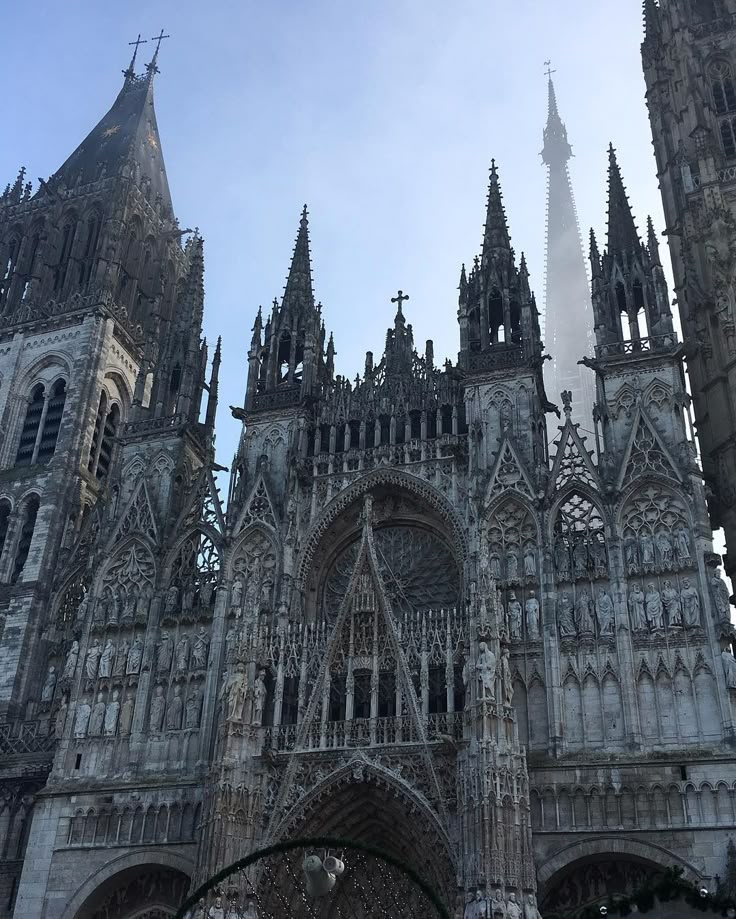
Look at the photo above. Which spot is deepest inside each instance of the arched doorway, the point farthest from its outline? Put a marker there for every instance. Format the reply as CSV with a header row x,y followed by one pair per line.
x,y
591,880
140,892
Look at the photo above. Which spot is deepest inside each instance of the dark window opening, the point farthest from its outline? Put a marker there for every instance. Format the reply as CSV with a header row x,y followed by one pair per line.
x,y
416,425
431,424
4,523
462,423
474,328
30,512
370,432
459,690
621,301
385,429
290,702
515,312
387,694
65,251
728,136
108,440
13,249
354,435
337,698
29,433
495,315
362,694
99,421
284,356
446,413
437,690
52,423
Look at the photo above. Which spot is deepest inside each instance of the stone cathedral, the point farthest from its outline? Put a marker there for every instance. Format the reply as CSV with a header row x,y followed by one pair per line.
x,y
416,620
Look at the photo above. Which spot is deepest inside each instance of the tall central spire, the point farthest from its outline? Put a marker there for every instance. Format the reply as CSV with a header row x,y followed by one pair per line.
x,y
568,318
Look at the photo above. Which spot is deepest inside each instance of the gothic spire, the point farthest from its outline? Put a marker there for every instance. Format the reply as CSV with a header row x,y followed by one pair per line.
x,y
496,235
622,233
298,291
556,150
125,142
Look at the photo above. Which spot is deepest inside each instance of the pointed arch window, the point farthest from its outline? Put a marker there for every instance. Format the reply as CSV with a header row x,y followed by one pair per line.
x,y
92,236
68,233
4,523
29,514
41,425
495,315
722,87
103,437
7,267
728,136
580,542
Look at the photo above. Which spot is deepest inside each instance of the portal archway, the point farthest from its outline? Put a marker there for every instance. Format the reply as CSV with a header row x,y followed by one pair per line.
x,y
142,891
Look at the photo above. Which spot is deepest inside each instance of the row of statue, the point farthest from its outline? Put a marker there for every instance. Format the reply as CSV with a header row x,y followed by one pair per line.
x,y
580,618
114,609
110,718
221,909
185,654
488,671
514,567
516,616
655,609
582,558
234,696
480,906
193,597
252,592
658,552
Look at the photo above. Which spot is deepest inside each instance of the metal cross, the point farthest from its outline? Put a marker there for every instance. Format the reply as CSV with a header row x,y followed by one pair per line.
x,y
399,298
549,71
138,42
158,39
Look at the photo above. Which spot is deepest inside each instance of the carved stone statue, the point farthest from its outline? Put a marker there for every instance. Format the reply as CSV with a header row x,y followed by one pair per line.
x,y
164,654
93,659
530,562
112,713
174,711
200,650
259,697
231,640
729,668
485,667
653,605
646,546
142,605
690,605
636,609
597,553
156,714
512,567
507,686
128,610
580,559
236,596
604,613
664,547
181,655
135,656
234,694
531,608
495,563
97,718
513,910
193,710
216,910
530,908
80,616
515,616
81,718
121,659
126,715
110,610
565,617
476,907
251,912
682,547
206,592
47,692
70,665
562,561
721,597
631,556
171,603
497,905
584,614
106,658
672,605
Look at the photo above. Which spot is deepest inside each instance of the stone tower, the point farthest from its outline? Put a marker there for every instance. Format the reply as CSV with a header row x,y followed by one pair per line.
x,y
688,55
568,325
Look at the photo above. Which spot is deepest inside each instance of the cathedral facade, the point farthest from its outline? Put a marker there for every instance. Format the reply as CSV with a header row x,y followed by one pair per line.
x,y
415,621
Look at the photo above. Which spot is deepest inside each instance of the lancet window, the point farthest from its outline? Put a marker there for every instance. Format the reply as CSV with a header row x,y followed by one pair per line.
x,y
28,516
580,542
4,523
41,425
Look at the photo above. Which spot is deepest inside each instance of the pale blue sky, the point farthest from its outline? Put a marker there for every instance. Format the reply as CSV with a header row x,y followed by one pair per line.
x,y
382,115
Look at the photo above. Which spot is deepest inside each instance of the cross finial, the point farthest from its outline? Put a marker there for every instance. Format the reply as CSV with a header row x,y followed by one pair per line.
x,y
152,68
399,298
130,72
549,71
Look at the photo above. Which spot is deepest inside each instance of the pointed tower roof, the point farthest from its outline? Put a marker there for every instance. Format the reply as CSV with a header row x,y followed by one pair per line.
x,y
496,234
556,150
128,133
298,288
622,232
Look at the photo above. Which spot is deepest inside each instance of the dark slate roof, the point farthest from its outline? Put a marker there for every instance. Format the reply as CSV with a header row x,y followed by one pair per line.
x,y
127,133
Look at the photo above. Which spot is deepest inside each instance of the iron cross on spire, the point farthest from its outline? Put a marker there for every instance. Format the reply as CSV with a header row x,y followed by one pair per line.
x,y
399,298
158,39
549,71
131,67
